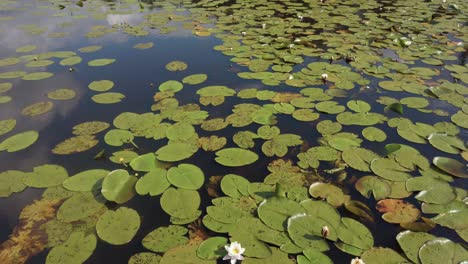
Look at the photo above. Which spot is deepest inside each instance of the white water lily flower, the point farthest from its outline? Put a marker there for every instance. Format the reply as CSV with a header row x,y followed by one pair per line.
x,y
297,40
407,42
324,76
263,25
243,33
357,261
300,17
234,252
291,45
325,231
290,77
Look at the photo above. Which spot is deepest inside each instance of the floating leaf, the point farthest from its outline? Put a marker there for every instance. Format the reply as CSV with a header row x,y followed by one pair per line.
x,y
62,94
449,144
442,250
108,98
77,249
368,185
85,181
235,157
176,66
144,258
100,62
35,76
305,230
101,86
452,166
355,234
398,211
195,79
118,186
7,125
382,256
80,206
75,144
143,46
88,49
410,242
180,203
37,109
389,169
118,137
39,63
212,248
26,48
275,211
153,183
164,238
70,61
432,190
359,158
172,86
11,181
330,192
175,152
19,141
90,128
374,134
186,176
118,227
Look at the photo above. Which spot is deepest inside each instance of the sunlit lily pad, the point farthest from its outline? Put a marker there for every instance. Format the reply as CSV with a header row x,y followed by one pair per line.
x,y
173,86
358,158
449,144
85,181
118,186
11,181
374,134
35,76
410,242
71,61
398,211
118,227
19,141
368,185
175,152
101,86
442,250
452,166
108,98
153,183
235,157
355,233
144,257
333,194
382,256
9,61
100,62
77,249
26,48
212,248
80,206
433,190
180,203
39,63
305,231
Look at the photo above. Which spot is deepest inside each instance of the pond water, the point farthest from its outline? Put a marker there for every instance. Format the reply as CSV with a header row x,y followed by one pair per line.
x,y
161,131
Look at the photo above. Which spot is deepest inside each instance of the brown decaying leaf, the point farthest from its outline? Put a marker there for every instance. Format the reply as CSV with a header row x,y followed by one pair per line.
x,y
197,232
28,238
212,187
398,211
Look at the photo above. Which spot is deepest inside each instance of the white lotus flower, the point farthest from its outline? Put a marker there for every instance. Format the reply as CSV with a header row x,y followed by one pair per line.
x,y
263,25
357,261
234,252
324,76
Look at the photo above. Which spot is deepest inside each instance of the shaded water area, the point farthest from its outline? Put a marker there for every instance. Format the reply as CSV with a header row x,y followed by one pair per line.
x,y
308,131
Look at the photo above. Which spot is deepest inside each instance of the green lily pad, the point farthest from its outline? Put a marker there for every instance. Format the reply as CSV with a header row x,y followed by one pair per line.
x,y
410,242
153,183
180,203
175,152
176,66
275,211
389,169
234,186
108,98
455,219
184,254
9,61
88,49
323,210
452,166
143,46
77,249
5,87
11,181
37,109
368,185
90,128
12,74
374,134
359,158
432,190
146,162
75,144
186,176
305,231
195,79
35,76
39,63
442,250
80,206
446,143
19,141
212,248
118,186
180,131
71,61
85,181
313,257
101,86
7,125
235,157
355,234
164,238
26,48
382,256
100,62
118,227
144,258
118,137
61,94
172,86
358,106
330,192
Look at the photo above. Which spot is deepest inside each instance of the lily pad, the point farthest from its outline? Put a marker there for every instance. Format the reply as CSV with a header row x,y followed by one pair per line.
x,y
7,125
442,250
305,231
90,128
118,227
19,141
410,242
11,181
355,234
176,66
446,143
118,186
180,203
172,85
100,62
77,249
275,211
382,256
101,86
212,248
37,109
71,61
235,157
330,192
175,152
80,206
108,98
164,238
195,79
75,144
398,211
153,183
186,176
61,94
452,166
85,181
35,76
143,46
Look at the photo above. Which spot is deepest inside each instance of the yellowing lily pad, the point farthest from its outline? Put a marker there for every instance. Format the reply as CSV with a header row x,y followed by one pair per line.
x,y
108,98
398,211
100,62
143,46
75,144
61,94
101,86
35,76
176,66
37,109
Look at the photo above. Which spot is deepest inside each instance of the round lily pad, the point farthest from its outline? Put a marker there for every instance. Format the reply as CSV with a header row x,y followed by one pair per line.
x,y
90,128
374,134
172,85
11,182
39,63
88,49
85,181
5,87
7,125
80,206
118,186
452,166
275,211
77,249
165,238
62,94
176,66
180,203
118,227
101,86
186,176
153,183
212,248
175,152
398,211
195,79
75,144
70,61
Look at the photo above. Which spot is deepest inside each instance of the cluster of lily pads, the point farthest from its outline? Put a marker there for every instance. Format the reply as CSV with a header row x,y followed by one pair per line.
x,y
321,64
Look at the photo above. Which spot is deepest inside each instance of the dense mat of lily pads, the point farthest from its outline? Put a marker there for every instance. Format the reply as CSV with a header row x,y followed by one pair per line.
x,y
377,81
